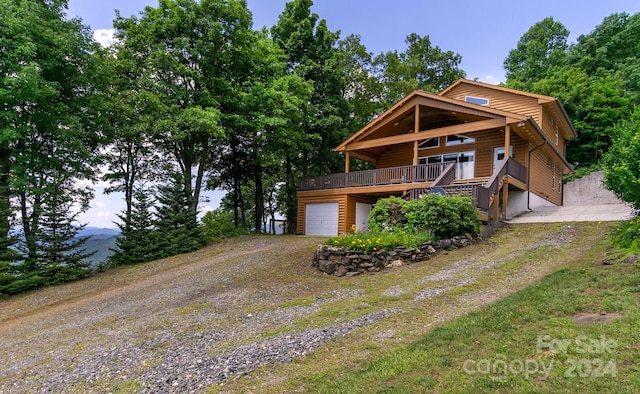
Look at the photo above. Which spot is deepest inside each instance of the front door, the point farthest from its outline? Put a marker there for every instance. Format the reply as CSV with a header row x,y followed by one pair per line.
x,y
362,216
498,156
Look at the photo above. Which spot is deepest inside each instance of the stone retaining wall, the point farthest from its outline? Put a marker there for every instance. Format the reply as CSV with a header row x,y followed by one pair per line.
x,y
340,262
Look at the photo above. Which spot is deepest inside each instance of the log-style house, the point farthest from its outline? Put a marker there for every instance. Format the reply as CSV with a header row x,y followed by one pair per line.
x,y
505,148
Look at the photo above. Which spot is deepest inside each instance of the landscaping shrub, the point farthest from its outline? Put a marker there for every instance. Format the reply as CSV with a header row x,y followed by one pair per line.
x,y
448,216
396,222
373,241
442,216
387,214
627,235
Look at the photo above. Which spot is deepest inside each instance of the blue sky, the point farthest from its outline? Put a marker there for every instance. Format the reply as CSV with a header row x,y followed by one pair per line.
x,y
482,32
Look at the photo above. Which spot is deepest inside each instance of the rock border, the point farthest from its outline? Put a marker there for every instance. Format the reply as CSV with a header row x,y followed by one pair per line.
x,y
342,262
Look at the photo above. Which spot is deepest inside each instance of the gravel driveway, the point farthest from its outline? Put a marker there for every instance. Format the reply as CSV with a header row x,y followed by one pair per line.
x,y
185,323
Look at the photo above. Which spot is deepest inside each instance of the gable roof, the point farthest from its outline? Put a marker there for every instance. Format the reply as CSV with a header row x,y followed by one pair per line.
x,y
542,99
510,117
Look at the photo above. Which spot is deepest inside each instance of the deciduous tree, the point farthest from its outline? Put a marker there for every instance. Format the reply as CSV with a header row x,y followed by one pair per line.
x,y
50,123
539,51
622,161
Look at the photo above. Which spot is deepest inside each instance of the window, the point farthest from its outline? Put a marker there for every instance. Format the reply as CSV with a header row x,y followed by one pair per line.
x,y
459,139
476,100
556,134
430,143
465,163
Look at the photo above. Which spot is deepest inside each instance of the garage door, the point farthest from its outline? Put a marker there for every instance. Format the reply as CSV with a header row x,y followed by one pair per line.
x,y
321,219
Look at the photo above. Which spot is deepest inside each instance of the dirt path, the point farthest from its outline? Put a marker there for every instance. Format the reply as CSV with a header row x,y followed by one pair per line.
x,y
99,289
255,305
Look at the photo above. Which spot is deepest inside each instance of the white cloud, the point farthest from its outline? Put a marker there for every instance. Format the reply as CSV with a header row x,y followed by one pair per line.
x,y
103,214
104,36
490,79
98,204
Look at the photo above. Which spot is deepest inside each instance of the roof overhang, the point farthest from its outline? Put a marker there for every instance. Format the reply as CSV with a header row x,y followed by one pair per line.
x,y
555,103
400,119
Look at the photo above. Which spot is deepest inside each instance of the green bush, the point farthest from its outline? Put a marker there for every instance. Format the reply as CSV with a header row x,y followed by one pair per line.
x,y
627,235
388,214
372,241
442,216
218,224
622,161
448,216
395,222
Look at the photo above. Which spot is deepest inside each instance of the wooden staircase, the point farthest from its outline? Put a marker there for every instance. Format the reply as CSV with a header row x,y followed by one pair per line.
x,y
484,190
472,181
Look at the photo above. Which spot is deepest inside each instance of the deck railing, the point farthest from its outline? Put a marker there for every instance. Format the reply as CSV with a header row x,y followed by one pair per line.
x,y
509,167
480,193
377,177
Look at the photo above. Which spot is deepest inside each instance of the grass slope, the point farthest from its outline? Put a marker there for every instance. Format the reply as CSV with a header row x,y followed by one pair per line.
x,y
576,330
251,289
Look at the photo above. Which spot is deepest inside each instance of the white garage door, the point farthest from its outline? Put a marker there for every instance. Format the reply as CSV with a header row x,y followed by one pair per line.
x,y
321,219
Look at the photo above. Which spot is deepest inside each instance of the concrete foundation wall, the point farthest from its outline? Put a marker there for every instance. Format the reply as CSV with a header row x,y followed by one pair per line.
x,y
518,203
588,190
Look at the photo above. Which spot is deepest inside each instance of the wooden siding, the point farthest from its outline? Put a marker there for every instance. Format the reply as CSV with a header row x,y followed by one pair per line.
x,y
350,218
498,99
549,128
310,199
346,209
396,155
541,177
486,141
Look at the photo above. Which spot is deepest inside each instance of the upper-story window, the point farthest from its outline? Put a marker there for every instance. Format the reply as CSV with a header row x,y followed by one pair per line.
x,y
459,139
430,143
476,100
557,138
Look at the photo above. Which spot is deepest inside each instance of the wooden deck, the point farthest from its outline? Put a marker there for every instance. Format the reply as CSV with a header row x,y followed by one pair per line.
x,y
378,177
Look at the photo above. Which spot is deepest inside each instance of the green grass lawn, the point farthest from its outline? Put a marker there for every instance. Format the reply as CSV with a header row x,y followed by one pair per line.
x,y
576,330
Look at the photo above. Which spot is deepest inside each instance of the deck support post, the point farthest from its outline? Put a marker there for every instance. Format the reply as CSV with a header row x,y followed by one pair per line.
x,y
505,199
507,141
416,129
496,206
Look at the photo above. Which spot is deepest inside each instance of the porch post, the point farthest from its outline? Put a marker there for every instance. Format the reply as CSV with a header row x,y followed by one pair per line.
x,y
507,141
347,162
507,155
416,129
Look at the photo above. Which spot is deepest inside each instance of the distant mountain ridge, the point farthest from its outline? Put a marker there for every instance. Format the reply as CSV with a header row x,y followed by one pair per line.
x,y
98,231
102,241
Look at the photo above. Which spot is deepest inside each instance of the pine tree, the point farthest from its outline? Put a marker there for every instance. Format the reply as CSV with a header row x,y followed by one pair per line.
x,y
177,229
136,243
59,254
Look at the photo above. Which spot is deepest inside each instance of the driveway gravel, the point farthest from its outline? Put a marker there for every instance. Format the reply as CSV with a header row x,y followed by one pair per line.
x,y
211,317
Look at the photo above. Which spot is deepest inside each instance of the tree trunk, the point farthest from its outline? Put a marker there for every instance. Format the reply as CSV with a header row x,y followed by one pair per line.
x,y
5,201
258,195
129,180
29,227
290,190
